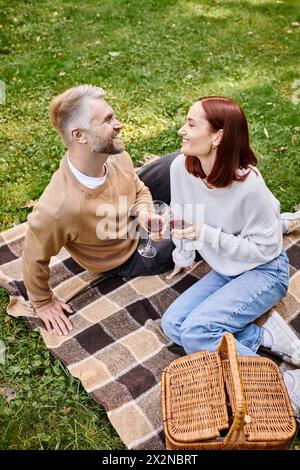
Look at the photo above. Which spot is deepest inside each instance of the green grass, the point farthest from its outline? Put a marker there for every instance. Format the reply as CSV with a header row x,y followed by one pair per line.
x,y
170,53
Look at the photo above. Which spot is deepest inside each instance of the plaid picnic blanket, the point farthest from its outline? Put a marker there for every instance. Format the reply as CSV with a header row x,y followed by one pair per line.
x,y
117,348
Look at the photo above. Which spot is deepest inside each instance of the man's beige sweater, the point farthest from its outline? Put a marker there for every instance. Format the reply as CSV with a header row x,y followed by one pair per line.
x,y
71,215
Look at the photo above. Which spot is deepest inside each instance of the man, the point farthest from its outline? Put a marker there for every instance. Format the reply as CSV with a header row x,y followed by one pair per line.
x,y
87,207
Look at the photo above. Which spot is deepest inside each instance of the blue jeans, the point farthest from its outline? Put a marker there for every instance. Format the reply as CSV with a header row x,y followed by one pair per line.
x,y
218,304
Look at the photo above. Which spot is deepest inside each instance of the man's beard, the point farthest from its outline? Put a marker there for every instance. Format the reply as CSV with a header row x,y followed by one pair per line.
x,y
111,148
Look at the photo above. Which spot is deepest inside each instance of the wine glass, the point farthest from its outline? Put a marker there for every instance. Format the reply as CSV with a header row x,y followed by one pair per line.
x,y
178,220
153,220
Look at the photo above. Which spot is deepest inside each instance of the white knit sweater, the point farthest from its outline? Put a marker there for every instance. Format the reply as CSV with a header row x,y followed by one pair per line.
x,y
241,223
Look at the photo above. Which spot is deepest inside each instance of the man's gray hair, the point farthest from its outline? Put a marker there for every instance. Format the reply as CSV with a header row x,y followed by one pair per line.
x,y
70,110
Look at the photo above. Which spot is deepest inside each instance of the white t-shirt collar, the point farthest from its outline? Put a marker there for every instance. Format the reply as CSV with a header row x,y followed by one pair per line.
x,y
88,181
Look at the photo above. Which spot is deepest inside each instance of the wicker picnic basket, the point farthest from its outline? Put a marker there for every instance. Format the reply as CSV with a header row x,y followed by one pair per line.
x,y
218,401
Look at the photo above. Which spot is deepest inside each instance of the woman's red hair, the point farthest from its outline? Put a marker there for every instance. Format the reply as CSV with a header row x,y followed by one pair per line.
x,y
234,150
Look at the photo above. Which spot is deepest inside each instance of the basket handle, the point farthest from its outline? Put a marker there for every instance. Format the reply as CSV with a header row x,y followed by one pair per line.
x,y
227,350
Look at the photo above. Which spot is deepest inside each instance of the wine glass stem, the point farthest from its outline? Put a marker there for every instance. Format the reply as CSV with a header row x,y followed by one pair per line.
x,y
181,245
149,245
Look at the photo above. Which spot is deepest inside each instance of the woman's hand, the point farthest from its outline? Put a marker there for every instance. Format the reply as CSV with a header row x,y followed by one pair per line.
x,y
148,218
55,319
193,232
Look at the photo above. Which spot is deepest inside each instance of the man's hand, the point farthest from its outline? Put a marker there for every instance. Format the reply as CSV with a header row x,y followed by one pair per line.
x,y
55,320
193,232
156,223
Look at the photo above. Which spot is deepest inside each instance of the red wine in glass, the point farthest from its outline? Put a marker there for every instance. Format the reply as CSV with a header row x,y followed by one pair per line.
x,y
154,225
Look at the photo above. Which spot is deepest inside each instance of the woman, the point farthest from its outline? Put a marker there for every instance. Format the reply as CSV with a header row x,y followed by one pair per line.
x,y
239,237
